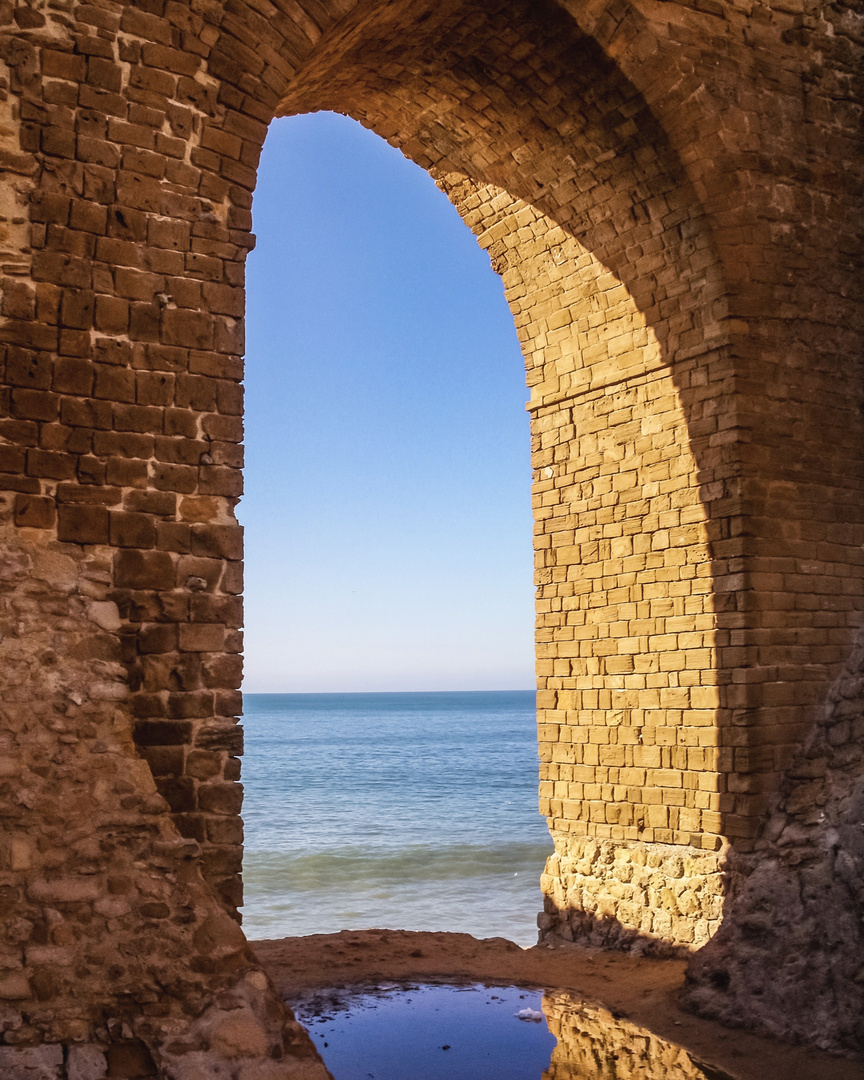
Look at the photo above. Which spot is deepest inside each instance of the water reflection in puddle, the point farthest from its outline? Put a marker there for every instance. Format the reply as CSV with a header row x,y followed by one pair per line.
x,y
433,1032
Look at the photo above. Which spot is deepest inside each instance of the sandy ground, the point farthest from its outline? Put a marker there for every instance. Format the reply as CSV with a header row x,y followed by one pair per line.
x,y
644,991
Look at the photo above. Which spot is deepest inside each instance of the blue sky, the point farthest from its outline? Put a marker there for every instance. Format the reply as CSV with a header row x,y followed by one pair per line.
x,y
387,512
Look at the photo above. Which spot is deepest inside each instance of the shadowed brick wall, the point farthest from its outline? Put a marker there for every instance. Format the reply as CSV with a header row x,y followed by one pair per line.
x,y
669,195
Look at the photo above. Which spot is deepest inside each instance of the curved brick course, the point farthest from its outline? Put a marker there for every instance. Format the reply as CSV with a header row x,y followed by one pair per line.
x,y
669,193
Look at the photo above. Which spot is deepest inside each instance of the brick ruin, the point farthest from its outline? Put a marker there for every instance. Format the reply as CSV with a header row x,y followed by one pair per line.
x,y
670,192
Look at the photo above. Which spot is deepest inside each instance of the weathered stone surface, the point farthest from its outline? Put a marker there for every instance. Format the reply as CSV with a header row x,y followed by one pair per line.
x,y
789,956
31,1062
86,1063
659,899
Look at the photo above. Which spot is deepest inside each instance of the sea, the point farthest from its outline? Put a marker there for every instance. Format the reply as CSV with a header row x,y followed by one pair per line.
x,y
413,811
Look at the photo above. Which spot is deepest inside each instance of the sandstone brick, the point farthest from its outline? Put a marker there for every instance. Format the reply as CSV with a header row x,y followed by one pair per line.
x,y
181,422
216,480
201,637
215,364
225,830
157,638
24,367
198,574
12,459
132,530
209,607
26,1062
204,765
218,541
145,162
74,343
111,351
173,536
203,509
34,405
182,479
195,393
72,376
49,464
189,329
222,798
20,432
180,451
88,414
143,569
178,792
228,702
138,418
86,1062
130,1058
82,524
127,473
111,314
163,732
196,703
114,384
185,292
144,321
35,512
154,388
220,735
160,503
75,493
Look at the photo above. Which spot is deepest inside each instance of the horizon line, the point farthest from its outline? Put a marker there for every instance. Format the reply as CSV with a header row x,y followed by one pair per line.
x,y
488,690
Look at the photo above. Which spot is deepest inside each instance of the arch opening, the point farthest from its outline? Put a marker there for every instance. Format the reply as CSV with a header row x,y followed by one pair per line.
x,y
580,201
387,534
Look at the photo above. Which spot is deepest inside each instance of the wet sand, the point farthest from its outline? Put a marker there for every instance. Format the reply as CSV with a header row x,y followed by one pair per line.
x,y
644,991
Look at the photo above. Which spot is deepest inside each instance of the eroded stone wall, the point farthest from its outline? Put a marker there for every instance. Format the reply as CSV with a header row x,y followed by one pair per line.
x,y
789,956
116,958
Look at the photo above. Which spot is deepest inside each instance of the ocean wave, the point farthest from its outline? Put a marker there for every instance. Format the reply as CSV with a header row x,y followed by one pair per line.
x,y
359,869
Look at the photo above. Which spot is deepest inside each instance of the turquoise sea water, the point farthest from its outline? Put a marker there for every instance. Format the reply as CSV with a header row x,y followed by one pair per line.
x,y
413,811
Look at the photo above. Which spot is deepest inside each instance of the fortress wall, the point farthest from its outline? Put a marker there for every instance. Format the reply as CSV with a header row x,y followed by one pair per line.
x,y
669,195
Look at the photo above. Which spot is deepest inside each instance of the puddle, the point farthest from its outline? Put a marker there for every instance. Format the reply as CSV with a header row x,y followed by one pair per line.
x,y
441,1032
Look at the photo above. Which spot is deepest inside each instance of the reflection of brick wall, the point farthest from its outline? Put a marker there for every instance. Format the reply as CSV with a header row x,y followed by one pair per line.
x,y
595,1045
671,207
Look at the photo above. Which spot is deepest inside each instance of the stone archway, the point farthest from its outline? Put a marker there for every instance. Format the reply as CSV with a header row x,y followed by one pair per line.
x,y
657,198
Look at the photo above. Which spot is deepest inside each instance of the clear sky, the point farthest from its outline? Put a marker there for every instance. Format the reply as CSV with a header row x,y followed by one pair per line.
x,y
387,505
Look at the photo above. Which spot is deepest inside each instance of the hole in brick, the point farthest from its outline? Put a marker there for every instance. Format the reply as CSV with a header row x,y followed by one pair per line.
x,y
130,1061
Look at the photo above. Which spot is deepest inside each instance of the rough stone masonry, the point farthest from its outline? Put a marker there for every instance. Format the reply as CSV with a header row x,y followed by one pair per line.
x,y
671,194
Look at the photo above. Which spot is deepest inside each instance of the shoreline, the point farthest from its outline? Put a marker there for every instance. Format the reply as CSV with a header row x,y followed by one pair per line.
x,y
636,990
